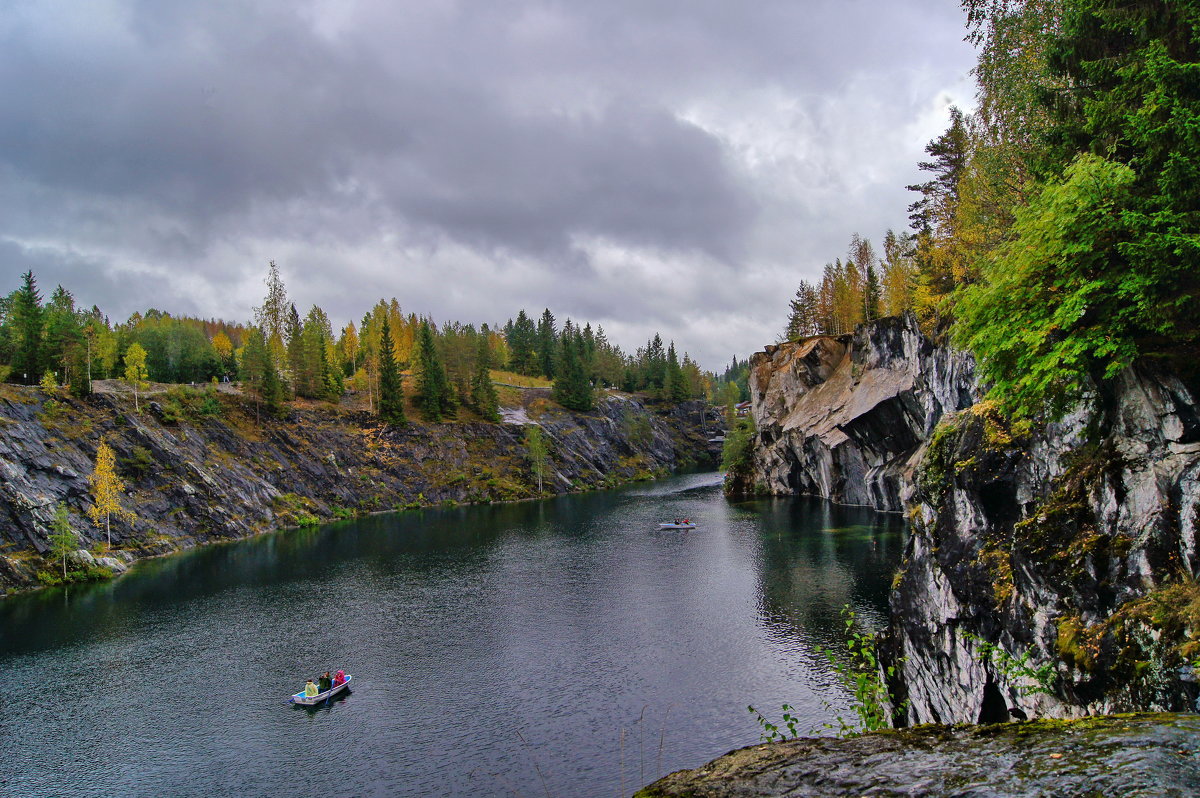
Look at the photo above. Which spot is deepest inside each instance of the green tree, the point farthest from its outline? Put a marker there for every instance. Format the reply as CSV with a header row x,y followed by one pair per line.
x,y
572,388
391,391
29,323
803,313
871,295
522,340
483,392
547,345
63,540
135,369
107,489
1056,308
435,395
538,452
675,388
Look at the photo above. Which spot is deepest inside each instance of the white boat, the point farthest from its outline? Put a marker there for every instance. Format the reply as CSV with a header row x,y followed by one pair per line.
x,y
673,525
309,700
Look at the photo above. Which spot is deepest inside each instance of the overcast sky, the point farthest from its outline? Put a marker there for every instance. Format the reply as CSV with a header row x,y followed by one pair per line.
x,y
644,165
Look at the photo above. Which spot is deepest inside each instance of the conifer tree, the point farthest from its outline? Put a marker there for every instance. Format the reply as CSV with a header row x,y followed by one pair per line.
x,y
803,316
28,330
547,344
435,395
675,388
107,489
522,339
135,369
572,389
483,392
871,295
391,392
294,342
273,391
62,538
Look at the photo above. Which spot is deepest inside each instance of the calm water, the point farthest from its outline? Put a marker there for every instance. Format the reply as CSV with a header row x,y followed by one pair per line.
x,y
562,648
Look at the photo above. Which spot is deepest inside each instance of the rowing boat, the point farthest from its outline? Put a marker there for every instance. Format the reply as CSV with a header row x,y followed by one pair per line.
x,y
309,700
688,525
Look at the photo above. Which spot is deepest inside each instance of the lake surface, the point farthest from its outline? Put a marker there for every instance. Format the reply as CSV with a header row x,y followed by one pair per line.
x,y
564,648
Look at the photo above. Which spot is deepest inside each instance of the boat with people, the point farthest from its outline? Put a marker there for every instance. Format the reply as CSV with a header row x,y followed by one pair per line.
x,y
308,697
678,523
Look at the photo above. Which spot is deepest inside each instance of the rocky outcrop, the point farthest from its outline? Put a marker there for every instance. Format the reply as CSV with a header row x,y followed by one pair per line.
x,y
846,417
1070,547
1050,570
201,467
1135,755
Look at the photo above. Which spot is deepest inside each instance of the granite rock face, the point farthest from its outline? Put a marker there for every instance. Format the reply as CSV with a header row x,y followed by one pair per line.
x,y
195,479
845,417
1144,756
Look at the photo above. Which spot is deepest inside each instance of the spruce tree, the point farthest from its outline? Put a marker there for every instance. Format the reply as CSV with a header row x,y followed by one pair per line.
x,y
435,395
391,393
483,393
675,388
294,332
29,325
871,294
521,341
547,344
572,389
274,393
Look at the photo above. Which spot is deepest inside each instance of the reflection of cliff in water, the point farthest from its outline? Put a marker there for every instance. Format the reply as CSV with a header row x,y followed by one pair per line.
x,y
815,558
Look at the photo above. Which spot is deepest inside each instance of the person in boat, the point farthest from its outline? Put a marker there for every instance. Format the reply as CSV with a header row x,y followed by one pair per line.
x,y
326,682
310,689
339,678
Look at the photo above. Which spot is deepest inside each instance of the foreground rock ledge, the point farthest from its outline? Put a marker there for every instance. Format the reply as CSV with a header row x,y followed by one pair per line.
x,y
1126,755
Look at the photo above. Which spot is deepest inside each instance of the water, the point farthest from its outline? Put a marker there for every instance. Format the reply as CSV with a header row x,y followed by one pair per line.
x,y
563,648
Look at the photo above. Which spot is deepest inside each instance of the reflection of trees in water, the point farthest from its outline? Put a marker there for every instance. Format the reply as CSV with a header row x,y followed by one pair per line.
x,y
815,558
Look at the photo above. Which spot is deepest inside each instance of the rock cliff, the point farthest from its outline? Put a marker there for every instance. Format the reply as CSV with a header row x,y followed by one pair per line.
x,y
1050,570
199,467
846,417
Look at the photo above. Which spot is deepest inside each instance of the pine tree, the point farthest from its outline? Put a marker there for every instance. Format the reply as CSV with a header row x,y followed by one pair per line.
x,y
135,369
483,392
391,391
29,325
63,540
107,489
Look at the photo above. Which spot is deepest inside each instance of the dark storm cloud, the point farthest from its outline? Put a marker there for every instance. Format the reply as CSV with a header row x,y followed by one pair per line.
x,y
620,159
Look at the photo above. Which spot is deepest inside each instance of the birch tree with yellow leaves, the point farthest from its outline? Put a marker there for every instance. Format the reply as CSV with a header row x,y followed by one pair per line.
x,y
107,488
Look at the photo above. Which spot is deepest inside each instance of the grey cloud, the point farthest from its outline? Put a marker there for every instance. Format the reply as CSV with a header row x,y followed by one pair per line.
x,y
173,137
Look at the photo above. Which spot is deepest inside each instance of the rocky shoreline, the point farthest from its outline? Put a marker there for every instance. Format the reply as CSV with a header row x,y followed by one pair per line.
x,y
201,466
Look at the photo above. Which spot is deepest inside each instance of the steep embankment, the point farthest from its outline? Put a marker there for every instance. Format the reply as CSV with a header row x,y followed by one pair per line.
x,y
200,468
1072,547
